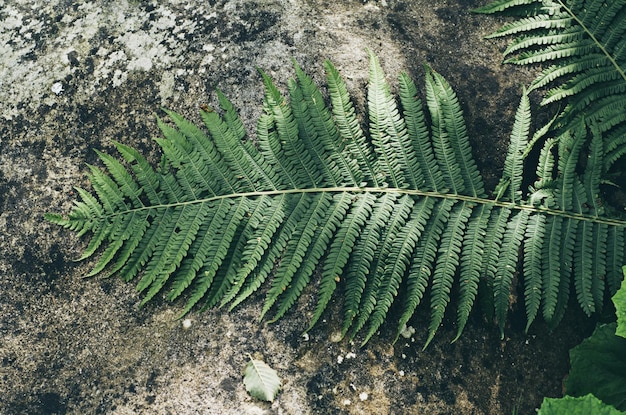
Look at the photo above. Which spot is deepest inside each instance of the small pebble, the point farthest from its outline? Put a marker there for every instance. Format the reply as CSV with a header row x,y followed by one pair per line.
x,y
57,88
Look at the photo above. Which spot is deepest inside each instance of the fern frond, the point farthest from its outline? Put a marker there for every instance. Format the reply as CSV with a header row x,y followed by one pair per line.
x,y
232,275
551,265
147,178
199,165
385,217
296,161
333,216
250,169
583,41
396,266
444,154
254,250
615,255
345,169
211,251
309,136
296,209
506,267
231,118
568,245
297,246
176,240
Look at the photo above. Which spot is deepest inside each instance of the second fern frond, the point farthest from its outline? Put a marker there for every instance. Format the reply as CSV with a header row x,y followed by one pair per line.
x,y
582,44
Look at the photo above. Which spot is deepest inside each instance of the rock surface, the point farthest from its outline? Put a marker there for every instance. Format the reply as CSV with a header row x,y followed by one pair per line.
x,y
74,76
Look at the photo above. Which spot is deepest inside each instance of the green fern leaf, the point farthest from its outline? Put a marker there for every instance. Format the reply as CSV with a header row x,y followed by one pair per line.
x,y
253,252
582,41
298,163
446,159
229,276
297,247
615,256
218,237
384,216
451,119
327,133
511,181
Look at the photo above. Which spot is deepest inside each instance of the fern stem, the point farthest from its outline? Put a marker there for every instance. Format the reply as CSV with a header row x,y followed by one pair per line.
x,y
379,190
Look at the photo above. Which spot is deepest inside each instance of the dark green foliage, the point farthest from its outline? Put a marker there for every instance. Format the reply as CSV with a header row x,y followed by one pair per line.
x,y
599,367
397,214
598,370
584,405
582,45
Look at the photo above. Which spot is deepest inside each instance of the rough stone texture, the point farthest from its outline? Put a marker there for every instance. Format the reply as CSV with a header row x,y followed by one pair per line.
x,y
74,76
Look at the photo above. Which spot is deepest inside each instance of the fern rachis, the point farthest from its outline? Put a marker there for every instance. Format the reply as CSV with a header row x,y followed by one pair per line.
x,y
406,209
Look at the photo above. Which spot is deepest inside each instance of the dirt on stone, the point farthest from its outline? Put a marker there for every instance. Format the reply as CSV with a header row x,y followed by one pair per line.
x,y
77,76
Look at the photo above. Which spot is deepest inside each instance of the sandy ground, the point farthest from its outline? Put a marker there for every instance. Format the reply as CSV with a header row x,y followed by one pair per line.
x,y
76,75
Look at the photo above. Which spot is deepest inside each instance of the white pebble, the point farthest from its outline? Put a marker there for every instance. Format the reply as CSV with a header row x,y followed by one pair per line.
x,y
57,88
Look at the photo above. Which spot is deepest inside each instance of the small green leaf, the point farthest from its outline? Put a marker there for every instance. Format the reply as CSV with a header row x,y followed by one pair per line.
x,y
585,405
262,382
619,299
599,367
